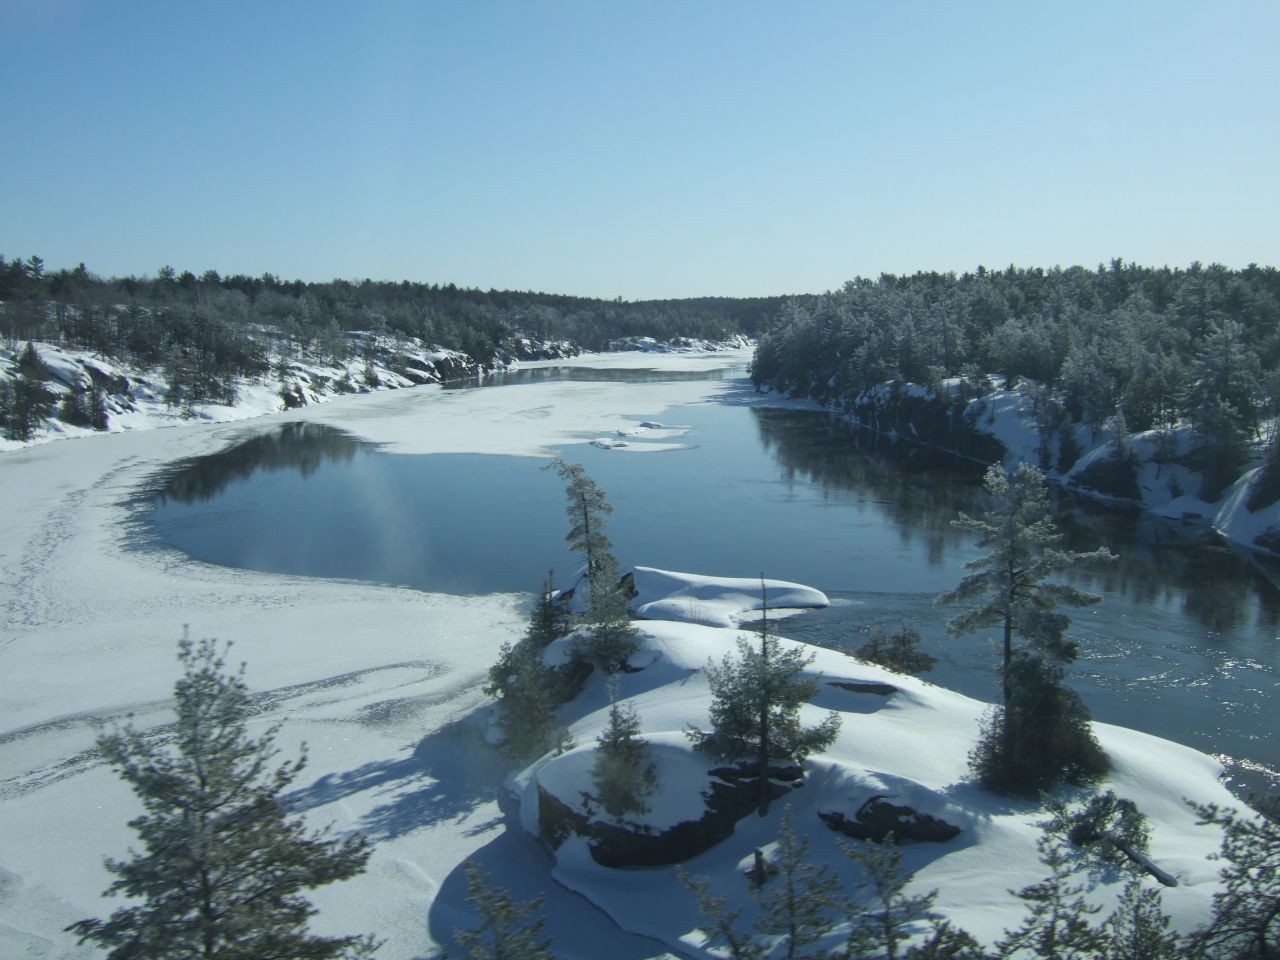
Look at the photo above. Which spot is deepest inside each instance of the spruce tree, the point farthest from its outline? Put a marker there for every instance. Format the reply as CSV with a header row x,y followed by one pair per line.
x,y
508,930
528,694
622,773
223,864
755,708
898,651
608,638
529,691
797,902
549,620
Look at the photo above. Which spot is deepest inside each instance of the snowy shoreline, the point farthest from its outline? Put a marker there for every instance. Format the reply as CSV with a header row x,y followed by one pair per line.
x,y
383,683
1006,416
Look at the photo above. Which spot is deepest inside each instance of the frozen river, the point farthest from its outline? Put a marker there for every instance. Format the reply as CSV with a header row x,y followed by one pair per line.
x,y
1183,646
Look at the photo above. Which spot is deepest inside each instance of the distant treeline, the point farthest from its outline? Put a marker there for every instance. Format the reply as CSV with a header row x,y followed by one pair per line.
x,y
234,319
1136,346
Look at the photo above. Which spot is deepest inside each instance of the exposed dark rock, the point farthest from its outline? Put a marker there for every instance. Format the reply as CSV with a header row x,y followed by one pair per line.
x,y
730,797
418,376
877,818
879,689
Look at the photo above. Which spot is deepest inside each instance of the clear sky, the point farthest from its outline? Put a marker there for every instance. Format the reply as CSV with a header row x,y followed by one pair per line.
x,y
642,149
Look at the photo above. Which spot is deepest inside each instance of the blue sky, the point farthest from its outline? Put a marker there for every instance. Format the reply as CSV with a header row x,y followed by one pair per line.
x,y
646,149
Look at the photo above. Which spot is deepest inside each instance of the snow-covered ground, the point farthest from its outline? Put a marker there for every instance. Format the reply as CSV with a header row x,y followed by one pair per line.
x,y
383,684
372,678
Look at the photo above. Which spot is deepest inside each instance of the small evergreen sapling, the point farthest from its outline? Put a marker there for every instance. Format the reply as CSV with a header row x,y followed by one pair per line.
x,y
720,924
898,651
223,864
623,775
755,709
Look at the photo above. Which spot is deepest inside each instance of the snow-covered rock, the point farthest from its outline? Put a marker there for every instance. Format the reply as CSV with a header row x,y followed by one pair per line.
x,y
910,746
715,601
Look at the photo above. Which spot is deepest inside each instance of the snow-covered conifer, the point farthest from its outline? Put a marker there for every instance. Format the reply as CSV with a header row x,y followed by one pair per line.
x,y
622,774
223,864
755,708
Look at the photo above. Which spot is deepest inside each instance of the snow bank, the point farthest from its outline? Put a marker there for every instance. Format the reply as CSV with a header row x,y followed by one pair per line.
x,y
714,601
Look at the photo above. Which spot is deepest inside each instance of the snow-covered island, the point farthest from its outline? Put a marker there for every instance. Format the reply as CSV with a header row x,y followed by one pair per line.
x,y
384,684
902,740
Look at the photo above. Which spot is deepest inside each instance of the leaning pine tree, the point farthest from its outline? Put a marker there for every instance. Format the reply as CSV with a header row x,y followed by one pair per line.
x,y
755,708
223,864
609,639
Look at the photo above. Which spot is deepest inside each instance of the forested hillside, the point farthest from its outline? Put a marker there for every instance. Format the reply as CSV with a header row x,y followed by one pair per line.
x,y
88,351
1123,348
233,322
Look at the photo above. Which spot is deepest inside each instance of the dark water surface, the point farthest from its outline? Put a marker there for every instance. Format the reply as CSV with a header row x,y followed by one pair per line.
x,y
1183,646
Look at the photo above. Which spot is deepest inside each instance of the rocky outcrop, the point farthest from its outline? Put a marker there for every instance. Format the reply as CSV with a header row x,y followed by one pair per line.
x,y
877,818
730,797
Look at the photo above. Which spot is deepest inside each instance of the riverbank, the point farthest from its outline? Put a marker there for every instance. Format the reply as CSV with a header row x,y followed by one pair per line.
x,y
1157,471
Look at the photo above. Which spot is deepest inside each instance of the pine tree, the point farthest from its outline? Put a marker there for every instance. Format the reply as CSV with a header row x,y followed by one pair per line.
x,y
528,694
1246,911
609,639
1009,581
529,691
755,708
508,930
1057,925
1138,928
1040,733
796,903
880,926
549,620
224,864
623,774
586,509
898,651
